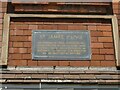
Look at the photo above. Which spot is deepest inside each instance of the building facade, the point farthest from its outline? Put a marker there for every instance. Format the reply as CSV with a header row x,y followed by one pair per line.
x,y
19,21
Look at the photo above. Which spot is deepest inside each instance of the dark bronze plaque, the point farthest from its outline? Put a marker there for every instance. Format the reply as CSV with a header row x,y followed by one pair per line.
x,y
61,45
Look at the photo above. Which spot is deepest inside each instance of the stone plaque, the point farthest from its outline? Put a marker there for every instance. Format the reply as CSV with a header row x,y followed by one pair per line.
x,y
61,45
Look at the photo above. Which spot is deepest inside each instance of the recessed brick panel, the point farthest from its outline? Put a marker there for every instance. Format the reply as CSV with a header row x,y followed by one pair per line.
x,y
20,41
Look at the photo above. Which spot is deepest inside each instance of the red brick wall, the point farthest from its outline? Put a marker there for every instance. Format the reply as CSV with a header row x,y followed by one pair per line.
x,y
3,6
101,41
20,39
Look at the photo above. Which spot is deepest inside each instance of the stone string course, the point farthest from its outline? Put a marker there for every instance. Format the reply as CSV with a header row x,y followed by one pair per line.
x,y
83,77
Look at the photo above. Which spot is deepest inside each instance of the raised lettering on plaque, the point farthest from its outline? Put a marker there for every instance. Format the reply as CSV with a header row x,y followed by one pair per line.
x,y
61,45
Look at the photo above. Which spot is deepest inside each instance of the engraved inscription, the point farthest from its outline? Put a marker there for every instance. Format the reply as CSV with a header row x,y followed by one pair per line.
x,y
61,45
